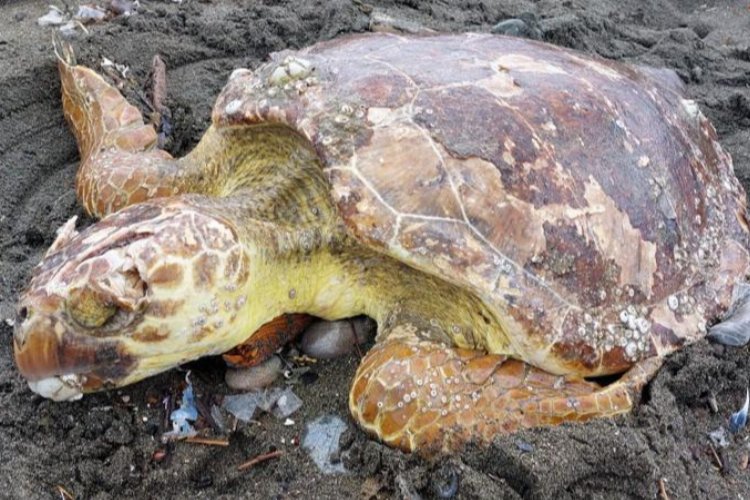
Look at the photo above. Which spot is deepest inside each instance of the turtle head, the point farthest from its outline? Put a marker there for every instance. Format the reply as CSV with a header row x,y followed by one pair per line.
x,y
142,291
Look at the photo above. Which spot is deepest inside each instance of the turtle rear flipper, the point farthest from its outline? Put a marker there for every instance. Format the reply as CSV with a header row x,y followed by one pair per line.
x,y
120,164
419,395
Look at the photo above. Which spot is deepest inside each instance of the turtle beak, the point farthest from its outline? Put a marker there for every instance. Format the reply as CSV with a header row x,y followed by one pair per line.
x,y
62,365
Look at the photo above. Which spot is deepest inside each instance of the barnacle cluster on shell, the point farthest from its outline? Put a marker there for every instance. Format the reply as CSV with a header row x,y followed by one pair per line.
x,y
292,74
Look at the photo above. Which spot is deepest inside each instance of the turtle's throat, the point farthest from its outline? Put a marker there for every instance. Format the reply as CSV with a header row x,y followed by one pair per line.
x,y
353,281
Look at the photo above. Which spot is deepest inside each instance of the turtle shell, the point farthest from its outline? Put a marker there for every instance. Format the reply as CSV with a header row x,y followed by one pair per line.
x,y
587,201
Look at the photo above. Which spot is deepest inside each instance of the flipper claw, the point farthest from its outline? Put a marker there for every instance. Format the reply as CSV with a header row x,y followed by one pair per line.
x,y
63,50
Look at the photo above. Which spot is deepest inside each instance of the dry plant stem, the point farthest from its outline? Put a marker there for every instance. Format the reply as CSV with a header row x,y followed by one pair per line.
x,y
719,463
259,459
64,494
207,441
663,495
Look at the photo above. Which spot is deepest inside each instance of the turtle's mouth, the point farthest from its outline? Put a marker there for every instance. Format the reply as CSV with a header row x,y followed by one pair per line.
x,y
62,365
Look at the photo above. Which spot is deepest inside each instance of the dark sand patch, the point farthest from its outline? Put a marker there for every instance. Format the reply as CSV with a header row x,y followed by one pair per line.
x,y
102,447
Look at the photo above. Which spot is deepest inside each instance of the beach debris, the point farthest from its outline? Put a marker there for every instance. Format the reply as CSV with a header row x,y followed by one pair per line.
x,y
260,458
255,377
68,21
159,455
207,441
524,447
90,14
406,488
55,17
161,116
524,26
447,489
123,7
218,416
110,67
277,401
182,416
712,402
663,495
716,457
322,443
719,437
64,494
738,420
383,23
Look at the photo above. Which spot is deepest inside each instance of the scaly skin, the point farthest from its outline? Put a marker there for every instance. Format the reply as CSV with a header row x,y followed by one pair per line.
x,y
195,254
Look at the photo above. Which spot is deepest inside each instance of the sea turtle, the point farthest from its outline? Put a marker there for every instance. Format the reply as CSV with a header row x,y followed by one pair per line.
x,y
517,218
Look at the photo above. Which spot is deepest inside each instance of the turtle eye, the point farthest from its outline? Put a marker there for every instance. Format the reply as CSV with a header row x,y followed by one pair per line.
x,y
90,308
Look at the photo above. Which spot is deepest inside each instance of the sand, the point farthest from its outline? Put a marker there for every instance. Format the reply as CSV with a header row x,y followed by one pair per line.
x,y
103,446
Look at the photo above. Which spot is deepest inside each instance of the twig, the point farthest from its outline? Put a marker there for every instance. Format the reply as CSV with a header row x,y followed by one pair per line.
x,y
64,494
259,459
207,441
716,457
663,495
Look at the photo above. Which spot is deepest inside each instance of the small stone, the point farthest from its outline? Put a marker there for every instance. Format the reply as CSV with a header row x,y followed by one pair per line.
x,y
525,26
255,377
333,339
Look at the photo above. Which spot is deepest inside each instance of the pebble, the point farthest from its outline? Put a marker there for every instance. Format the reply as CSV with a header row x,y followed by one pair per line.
x,y
333,339
255,377
526,26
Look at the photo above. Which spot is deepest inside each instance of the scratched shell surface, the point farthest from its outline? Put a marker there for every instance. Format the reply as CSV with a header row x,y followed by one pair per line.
x,y
588,201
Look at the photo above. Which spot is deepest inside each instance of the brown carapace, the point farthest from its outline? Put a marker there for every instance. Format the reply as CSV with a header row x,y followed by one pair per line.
x,y
516,217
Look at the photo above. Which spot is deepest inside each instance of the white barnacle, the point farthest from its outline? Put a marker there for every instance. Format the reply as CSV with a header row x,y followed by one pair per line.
x,y
233,106
239,72
643,325
631,349
298,68
278,76
624,316
691,108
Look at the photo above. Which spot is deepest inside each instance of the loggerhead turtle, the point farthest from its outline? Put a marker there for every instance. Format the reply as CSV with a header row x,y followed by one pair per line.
x,y
515,216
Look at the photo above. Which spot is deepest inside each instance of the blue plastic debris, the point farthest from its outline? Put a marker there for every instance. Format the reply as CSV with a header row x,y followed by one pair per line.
x,y
280,402
524,447
322,442
182,416
739,420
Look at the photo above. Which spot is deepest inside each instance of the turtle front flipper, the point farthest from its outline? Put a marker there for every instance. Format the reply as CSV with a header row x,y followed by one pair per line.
x,y
424,396
120,164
